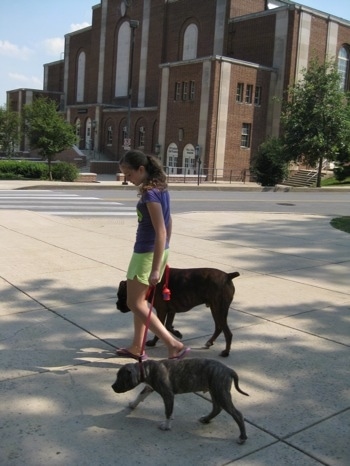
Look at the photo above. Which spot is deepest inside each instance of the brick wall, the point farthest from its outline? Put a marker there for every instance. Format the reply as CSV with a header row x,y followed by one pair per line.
x,y
253,40
246,7
55,72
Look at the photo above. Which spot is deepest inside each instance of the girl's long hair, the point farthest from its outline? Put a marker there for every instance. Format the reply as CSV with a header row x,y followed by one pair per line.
x,y
156,177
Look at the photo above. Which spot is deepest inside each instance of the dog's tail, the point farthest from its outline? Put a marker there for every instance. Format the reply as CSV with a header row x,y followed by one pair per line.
x,y
233,275
235,381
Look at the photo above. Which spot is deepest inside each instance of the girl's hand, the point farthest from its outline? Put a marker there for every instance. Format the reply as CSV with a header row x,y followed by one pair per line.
x,y
154,278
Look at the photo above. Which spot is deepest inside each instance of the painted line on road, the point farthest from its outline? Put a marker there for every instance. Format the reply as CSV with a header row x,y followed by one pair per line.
x,y
91,214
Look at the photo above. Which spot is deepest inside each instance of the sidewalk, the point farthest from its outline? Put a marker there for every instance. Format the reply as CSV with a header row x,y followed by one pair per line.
x,y
109,182
59,329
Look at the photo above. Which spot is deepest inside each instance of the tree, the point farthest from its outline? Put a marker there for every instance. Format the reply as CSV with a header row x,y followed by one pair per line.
x,y
9,131
315,118
269,165
47,130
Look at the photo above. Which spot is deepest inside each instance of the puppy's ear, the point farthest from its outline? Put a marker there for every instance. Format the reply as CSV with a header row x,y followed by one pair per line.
x,y
134,372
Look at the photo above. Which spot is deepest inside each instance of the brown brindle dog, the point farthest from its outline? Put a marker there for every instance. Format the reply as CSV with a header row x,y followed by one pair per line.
x,y
190,288
168,378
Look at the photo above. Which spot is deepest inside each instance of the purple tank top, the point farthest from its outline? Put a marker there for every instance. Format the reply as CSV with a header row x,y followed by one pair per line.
x,y
145,234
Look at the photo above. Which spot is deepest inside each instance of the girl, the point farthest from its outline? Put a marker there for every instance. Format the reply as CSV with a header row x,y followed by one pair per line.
x,y
151,249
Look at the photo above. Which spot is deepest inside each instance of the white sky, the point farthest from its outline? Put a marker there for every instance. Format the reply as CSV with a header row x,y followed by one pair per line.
x,y
32,34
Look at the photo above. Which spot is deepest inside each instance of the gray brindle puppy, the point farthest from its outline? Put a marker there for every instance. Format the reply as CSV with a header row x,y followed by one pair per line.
x,y
169,378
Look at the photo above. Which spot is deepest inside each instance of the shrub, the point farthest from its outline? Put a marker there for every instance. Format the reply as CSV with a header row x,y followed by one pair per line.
x,y
269,166
23,169
63,171
342,172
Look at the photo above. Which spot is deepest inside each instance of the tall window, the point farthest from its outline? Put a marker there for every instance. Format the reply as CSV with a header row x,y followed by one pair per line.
x,y
77,128
177,91
343,68
249,94
192,90
123,58
185,90
257,96
240,91
190,42
142,136
109,135
246,134
125,135
81,77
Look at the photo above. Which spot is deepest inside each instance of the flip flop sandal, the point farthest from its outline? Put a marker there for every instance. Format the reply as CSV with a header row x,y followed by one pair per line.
x,y
127,354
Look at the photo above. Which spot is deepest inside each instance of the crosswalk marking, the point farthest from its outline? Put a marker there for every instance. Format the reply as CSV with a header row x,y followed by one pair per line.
x,y
63,204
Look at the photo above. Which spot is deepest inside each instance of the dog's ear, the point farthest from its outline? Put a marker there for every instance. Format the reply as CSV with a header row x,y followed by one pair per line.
x,y
135,374
122,286
122,297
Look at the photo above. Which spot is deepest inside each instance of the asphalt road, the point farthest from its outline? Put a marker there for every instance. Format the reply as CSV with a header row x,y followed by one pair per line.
x,y
110,202
321,203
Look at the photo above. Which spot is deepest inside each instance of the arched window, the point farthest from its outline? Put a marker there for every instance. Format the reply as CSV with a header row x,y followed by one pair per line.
x,y
343,68
171,158
190,42
123,57
77,128
81,77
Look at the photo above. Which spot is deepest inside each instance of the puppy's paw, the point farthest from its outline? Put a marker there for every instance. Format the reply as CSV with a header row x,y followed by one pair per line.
x,y
133,404
208,344
204,420
165,425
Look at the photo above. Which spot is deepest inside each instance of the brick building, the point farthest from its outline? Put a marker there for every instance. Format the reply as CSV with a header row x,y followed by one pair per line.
x,y
189,80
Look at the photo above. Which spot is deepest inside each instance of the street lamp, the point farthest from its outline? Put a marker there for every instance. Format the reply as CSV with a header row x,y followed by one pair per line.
x,y
198,160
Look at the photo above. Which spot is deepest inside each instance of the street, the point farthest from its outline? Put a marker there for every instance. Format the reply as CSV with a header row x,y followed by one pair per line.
x,y
122,202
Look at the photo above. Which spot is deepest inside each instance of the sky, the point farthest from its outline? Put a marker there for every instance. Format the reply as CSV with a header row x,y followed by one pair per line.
x,y
32,34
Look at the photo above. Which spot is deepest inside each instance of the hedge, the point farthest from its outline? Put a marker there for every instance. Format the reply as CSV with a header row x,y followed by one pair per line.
x,y
23,169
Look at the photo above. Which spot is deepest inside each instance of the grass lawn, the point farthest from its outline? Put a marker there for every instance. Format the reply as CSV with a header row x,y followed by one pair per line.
x,y
333,182
341,223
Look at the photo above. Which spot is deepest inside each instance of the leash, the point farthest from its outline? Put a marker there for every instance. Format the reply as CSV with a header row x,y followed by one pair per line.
x,y
166,291
151,290
166,296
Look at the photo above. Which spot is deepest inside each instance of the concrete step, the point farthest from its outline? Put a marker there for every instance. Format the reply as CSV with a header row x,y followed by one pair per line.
x,y
302,178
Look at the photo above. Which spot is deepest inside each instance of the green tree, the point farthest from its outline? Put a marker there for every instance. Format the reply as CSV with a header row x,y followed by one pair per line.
x,y
9,131
269,165
315,118
47,130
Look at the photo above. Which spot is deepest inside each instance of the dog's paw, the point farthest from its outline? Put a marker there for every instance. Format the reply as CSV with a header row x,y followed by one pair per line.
x,y
224,354
176,333
165,425
204,420
132,404
151,343
208,344
241,440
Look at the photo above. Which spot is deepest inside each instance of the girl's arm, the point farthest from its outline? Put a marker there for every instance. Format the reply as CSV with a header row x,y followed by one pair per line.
x,y
169,229
156,214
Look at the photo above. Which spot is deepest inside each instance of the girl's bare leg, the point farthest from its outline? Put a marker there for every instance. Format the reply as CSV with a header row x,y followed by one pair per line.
x,y
137,303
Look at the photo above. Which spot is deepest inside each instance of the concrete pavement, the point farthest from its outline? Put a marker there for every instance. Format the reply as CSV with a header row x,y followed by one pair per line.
x,y
59,329
109,182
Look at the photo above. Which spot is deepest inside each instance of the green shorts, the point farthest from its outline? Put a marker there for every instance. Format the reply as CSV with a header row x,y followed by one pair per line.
x,y
141,265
